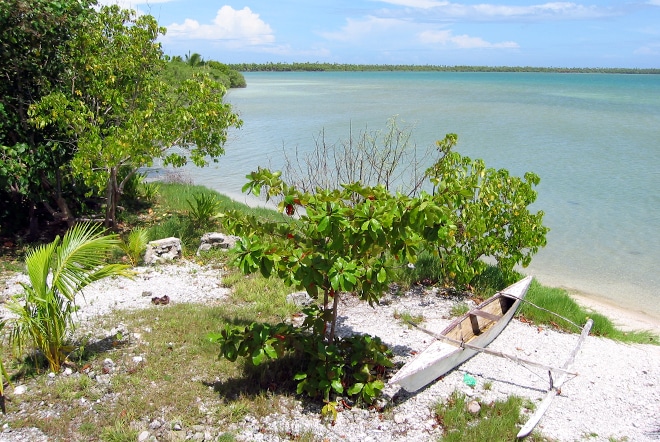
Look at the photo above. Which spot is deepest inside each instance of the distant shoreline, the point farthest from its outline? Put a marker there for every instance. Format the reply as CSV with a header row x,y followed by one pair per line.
x,y
342,67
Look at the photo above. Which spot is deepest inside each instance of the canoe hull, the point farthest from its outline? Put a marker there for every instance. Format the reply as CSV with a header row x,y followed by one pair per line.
x,y
478,327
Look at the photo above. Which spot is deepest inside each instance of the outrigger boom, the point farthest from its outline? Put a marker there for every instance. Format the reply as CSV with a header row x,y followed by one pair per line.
x,y
500,354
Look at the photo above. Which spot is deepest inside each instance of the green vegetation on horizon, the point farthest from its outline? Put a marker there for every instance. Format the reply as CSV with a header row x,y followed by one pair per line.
x,y
344,67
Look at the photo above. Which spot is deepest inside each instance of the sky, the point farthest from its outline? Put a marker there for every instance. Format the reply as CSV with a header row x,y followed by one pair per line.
x,y
422,32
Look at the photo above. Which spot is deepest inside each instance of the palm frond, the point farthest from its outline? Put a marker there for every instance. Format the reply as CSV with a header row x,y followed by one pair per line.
x,y
80,259
38,262
44,311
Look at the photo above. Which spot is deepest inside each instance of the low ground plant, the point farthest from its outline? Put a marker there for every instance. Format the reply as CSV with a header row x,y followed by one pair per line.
x,y
44,312
498,420
135,244
556,304
352,366
459,309
203,210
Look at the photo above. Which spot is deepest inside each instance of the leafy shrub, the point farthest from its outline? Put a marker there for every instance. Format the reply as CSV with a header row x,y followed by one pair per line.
x,y
490,212
352,366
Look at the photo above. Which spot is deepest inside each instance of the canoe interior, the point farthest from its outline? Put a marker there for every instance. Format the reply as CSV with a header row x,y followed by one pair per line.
x,y
479,320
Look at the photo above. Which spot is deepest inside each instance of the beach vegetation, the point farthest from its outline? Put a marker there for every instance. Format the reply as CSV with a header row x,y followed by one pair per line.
x,y
44,312
408,318
34,171
203,209
387,157
498,420
181,365
556,308
335,242
95,102
134,244
488,209
121,116
347,67
459,309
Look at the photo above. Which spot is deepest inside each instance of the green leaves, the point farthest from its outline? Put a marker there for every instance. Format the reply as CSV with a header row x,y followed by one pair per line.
x,y
120,114
489,216
44,311
353,366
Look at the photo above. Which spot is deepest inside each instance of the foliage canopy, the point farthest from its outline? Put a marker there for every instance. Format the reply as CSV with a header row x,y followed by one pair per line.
x,y
122,116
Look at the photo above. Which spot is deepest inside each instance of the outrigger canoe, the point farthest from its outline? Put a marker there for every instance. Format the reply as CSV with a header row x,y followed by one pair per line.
x,y
463,338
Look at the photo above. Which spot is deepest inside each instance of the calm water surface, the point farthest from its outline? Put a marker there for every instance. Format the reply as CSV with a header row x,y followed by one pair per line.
x,y
593,139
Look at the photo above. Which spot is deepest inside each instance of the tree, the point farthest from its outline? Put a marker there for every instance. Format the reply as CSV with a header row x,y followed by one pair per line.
x,y
58,271
121,115
345,240
34,38
351,239
490,209
194,60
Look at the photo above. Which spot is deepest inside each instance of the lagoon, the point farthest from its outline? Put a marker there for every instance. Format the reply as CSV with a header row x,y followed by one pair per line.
x,y
594,139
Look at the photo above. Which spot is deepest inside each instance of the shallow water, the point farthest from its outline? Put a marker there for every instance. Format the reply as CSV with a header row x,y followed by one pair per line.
x,y
594,139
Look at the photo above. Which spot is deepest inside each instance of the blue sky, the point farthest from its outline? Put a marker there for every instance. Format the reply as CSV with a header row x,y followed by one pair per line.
x,y
496,33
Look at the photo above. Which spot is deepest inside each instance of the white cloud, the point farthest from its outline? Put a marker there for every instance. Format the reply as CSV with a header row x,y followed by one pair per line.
x,y
447,38
423,4
486,11
356,30
235,27
649,49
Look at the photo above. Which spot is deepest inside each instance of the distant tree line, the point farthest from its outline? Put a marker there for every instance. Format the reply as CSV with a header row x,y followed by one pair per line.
x,y
342,67
180,68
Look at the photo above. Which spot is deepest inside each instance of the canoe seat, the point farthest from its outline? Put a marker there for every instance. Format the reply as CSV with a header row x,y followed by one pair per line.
x,y
485,315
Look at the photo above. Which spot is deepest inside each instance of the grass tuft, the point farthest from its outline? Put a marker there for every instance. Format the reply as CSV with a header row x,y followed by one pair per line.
x,y
498,420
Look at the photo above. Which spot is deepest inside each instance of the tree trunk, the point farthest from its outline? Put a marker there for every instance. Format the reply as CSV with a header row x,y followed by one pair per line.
x,y
111,197
34,223
335,305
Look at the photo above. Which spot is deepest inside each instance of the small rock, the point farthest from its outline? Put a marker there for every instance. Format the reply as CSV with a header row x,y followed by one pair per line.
x,y
137,359
51,375
177,427
20,389
68,372
147,293
155,424
299,299
399,418
143,436
474,407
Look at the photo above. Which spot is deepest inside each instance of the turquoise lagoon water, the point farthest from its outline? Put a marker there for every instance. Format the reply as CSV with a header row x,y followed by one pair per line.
x,y
594,139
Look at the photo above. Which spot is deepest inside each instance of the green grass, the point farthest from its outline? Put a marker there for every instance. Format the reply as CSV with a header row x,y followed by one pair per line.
x,y
559,301
497,421
459,309
408,319
180,371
